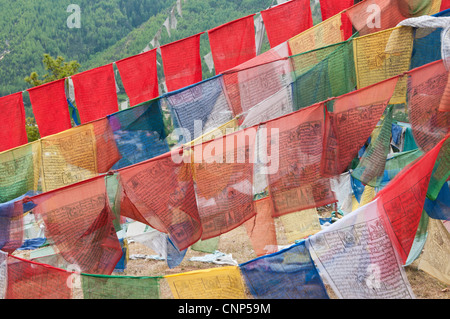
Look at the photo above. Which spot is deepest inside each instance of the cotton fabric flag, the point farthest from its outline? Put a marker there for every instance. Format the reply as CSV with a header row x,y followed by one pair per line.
x,y
3,274
31,280
323,34
382,55
287,274
160,193
298,184
358,244
19,171
223,172
139,76
286,20
95,93
79,223
119,287
301,224
182,62
232,43
377,15
12,117
402,201
139,133
330,8
50,107
214,283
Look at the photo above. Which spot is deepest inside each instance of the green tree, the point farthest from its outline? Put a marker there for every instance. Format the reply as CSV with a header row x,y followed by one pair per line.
x,y
57,69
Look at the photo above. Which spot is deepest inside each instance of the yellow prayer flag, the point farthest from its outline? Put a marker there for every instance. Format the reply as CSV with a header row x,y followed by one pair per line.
x,y
214,283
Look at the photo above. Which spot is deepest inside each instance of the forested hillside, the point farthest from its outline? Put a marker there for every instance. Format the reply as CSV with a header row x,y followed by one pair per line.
x,y
110,30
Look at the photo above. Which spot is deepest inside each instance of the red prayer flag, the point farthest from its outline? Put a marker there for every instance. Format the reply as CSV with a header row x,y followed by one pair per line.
x,y
233,43
286,20
401,201
31,280
12,117
445,4
95,93
330,8
182,62
139,76
50,107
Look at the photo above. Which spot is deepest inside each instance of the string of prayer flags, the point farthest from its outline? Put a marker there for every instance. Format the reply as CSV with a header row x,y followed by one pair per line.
x,y
139,133
323,34
120,287
401,202
330,8
79,224
286,20
31,280
377,15
182,62
298,184
199,108
95,93
214,283
426,87
346,134
233,43
223,173
359,244
261,228
139,76
168,205
12,117
50,107
287,274
19,171
383,55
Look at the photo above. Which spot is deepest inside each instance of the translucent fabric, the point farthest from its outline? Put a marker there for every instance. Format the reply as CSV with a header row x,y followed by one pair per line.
x,y
323,34
50,107
298,184
329,8
441,172
77,154
401,202
383,55
79,225
440,207
358,244
139,77
286,20
182,62
261,228
120,287
287,274
232,43
198,109
19,171
223,173
160,193
377,15
13,133
346,134
371,167
214,283
139,133
330,77
426,88
31,280
95,93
